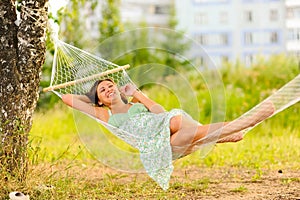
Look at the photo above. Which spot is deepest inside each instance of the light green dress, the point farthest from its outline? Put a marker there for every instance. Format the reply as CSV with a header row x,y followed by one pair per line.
x,y
153,133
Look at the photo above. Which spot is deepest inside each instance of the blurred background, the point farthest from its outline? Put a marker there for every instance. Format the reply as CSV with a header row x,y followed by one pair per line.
x,y
211,33
252,47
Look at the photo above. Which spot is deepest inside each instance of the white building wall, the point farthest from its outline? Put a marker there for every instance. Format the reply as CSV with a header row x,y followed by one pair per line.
x,y
293,26
264,34
227,29
247,27
153,12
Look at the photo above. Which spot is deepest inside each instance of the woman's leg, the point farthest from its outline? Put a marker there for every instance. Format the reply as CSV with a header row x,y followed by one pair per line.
x,y
185,133
265,110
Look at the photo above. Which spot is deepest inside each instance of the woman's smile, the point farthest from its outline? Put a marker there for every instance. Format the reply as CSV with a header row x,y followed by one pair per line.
x,y
111,94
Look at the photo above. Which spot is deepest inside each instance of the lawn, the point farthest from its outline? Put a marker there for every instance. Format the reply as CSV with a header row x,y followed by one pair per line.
x,y
264,165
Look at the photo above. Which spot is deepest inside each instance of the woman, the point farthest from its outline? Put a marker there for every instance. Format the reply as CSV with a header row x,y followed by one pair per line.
x,y
163,135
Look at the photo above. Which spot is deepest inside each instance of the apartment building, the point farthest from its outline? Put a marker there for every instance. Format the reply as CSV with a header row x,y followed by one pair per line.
x,y
225,30
293,26
155,13
230,30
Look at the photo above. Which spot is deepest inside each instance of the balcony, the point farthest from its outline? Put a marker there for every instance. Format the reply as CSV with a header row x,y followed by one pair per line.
x,y
292,3
293,45
148,2
293,23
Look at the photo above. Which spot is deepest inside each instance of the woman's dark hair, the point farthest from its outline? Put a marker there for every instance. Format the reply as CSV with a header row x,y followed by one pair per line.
x,y
92,94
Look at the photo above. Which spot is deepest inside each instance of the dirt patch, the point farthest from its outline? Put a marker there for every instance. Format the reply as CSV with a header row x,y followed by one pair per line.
x,y
224,183
190,183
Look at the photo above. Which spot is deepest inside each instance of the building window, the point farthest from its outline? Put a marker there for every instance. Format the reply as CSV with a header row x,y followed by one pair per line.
x,y
260,37
211,1
161,10
201,39
294,34
248,39
224,59
248,16
224,39
213,39
249,59
274,15
289,13
223,17
201,61
274,38
259,1
200,19
296,12
293,13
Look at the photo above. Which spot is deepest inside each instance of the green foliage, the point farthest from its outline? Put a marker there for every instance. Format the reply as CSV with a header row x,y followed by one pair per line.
x,y
240,189
72,21
61,168
136,49
244,88
73,31
140,45
111,20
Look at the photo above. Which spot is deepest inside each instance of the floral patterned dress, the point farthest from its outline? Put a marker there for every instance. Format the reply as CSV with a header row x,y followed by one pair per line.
x,y
153,133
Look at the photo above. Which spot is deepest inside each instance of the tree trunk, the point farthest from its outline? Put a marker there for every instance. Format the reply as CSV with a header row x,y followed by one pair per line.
x,y
22,54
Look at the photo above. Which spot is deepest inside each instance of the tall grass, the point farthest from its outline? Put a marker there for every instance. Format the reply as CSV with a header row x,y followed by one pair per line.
x,y
54,134
62,168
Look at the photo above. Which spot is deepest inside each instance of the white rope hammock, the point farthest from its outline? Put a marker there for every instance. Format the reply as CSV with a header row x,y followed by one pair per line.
x,y
75,71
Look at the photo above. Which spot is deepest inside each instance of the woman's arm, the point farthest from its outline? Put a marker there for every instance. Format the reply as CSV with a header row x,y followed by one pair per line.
x,y
149,103
83,103
138,96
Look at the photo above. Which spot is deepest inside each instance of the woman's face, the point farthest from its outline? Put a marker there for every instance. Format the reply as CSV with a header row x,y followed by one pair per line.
x,y
107,91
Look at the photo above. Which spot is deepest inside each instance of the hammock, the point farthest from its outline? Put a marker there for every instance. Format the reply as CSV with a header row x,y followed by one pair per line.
x,y
75,71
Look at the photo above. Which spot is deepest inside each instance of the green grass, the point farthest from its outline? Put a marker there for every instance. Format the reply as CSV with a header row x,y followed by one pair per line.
x,y
239,189
69,167
61,167
54,134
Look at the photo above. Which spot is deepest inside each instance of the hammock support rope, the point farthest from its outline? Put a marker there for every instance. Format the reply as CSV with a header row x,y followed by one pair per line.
x,y
96,76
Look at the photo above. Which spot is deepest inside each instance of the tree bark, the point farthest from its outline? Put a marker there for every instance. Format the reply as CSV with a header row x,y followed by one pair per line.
x,y
22,54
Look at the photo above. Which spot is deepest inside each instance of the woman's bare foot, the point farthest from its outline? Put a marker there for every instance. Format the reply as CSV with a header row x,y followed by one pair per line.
x,y
231,132
232,138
